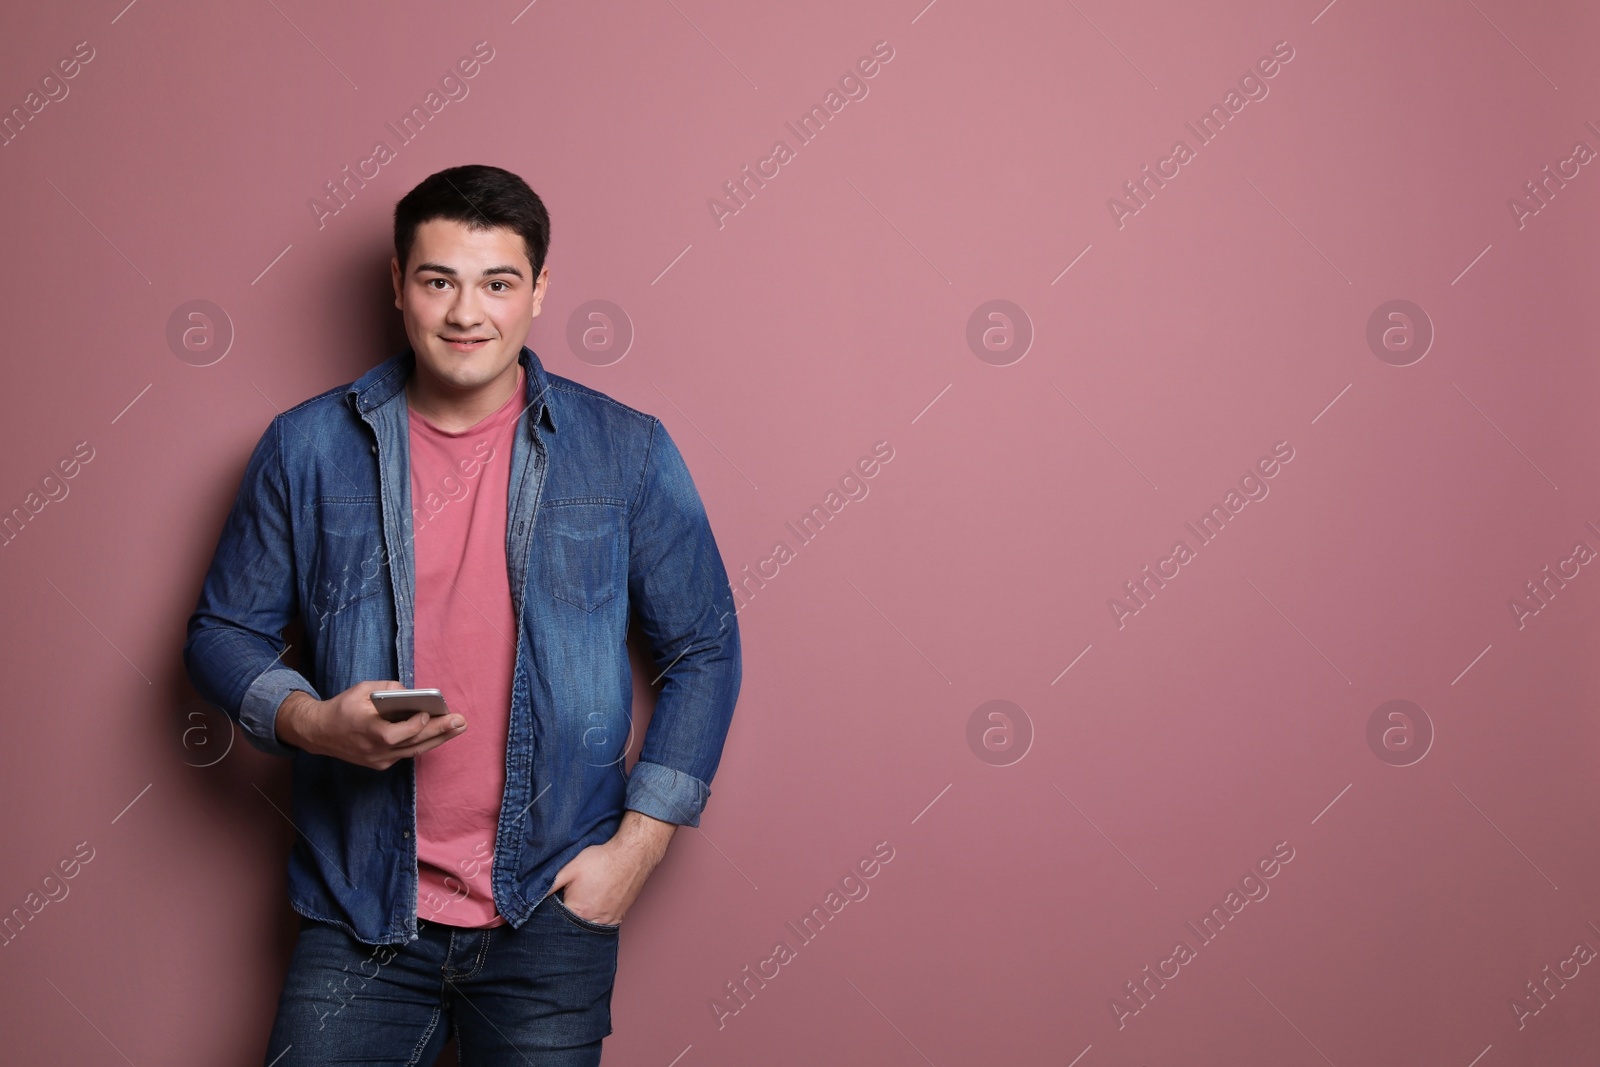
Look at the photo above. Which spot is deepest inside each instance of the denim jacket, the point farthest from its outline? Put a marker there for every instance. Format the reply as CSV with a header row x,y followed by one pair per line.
x,y
602,519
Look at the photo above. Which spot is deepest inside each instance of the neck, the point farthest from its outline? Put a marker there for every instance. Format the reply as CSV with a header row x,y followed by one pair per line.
x,y
453,410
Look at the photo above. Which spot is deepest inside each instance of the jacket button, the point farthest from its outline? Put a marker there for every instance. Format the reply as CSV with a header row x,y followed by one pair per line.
x,y
374,450
405,834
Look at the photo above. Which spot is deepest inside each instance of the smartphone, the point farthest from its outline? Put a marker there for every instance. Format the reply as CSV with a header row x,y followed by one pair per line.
x,y
397,705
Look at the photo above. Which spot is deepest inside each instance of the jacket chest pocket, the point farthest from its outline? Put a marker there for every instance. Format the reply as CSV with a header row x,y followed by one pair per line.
x,y
349,564
578,545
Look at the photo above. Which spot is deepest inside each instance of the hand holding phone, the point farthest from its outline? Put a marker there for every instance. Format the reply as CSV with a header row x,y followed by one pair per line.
x,y
343,726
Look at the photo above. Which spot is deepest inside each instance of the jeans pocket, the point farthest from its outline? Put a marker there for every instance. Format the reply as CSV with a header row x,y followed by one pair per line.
x,y
579,921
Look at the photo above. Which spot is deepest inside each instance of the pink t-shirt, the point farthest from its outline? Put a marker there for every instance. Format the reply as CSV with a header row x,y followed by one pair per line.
x,y
466,644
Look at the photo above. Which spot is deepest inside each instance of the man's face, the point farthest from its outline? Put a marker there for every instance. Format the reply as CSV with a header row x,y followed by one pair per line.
x,y
468,298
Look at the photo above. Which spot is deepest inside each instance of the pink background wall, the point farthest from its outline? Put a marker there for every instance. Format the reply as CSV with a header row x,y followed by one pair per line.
x,y
1039,864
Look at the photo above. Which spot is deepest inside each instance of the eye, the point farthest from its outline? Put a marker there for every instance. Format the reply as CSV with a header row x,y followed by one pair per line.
x,y
507,285
430,281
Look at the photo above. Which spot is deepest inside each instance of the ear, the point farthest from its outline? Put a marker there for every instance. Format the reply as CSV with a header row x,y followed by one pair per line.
x,y
394,276
541,285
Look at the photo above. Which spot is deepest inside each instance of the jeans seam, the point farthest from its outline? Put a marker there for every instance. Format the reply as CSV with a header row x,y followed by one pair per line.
x,y
453,975
422,1042
447,968
483,952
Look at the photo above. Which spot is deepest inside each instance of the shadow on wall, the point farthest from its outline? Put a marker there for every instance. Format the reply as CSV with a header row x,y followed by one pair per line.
x,y
387,327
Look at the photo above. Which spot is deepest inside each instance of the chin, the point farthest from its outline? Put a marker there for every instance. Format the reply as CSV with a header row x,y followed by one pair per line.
x,y
442,356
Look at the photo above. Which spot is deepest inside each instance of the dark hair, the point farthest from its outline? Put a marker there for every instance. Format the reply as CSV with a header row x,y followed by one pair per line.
x,y
480,196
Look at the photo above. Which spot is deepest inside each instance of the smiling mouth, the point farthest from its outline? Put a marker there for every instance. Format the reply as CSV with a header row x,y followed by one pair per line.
x,y
466,340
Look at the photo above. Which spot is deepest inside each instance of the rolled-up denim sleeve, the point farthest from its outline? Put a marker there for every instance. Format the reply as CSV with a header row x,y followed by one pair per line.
x,y
235,635
679,591
258,711
666,794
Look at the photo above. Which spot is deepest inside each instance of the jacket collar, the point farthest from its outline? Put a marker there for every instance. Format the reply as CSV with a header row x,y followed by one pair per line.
x,y
380,384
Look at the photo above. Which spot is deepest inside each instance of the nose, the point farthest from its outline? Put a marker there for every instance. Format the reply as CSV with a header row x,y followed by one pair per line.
x,y
465,312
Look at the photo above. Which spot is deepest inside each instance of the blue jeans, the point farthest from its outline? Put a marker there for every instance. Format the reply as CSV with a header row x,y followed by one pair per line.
x,y
539,995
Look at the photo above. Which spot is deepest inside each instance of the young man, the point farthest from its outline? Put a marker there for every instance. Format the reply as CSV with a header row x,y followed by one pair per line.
x,y
459,518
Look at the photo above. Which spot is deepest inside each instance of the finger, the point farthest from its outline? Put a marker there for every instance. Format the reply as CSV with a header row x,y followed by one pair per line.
x,y
420,748
439,727
447,725
405,731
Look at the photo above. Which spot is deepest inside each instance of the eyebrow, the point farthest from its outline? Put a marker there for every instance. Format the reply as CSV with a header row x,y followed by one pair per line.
x,y
440,268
